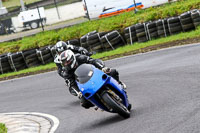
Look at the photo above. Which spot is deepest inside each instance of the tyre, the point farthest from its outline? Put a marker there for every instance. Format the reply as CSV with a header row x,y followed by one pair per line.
x,y
141,34
176,29
116,40
154,34
4,59
83,39
185,15
142,39
128,35
31,60
74,42
151,25
160,28
195,15
188,27
197,24
173,20
117,106
133,33
34,25
90,42
139,26
159,22
196,20
133,40
140,30
31,56
152,30
93,37
128,29
172,25
112,35
29,52
103,33
186,21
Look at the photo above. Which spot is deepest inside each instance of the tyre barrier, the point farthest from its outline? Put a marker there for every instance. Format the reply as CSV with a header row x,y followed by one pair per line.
x,y
174,25
141,32
74,42
17,61
152,30
44,55
104,41
4,64
31,58
112,40
94,42
84,39
195,15
162,28
130,34
186,21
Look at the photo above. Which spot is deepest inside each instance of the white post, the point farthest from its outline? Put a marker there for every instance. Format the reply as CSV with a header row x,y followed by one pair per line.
x,y
22,5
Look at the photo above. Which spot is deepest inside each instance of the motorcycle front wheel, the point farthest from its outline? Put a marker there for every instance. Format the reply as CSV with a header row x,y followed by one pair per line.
x,y
116,105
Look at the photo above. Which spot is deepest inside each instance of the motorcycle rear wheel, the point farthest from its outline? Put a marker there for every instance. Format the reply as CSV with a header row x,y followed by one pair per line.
x,y
116,105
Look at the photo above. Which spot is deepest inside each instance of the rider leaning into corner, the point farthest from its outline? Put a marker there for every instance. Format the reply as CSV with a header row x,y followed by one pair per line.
x,y
62,46
71,61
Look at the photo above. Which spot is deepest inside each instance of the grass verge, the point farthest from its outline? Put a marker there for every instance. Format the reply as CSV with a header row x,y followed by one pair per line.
x,y
3,128
175,40
107,24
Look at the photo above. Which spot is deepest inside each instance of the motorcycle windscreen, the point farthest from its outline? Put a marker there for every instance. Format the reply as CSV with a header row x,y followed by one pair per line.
x,y
89,79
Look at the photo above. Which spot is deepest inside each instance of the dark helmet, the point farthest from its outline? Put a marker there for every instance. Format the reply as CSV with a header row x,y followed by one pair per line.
x,y
68,59
60,47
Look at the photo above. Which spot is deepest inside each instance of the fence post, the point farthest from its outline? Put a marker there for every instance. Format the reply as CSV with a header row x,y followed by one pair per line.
x,y
40,18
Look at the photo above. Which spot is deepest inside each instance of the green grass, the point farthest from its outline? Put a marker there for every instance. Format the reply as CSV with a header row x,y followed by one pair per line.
x,y
107,24
121,50
30,70
3,128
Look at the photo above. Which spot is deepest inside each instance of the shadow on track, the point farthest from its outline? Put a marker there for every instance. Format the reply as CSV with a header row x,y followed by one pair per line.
x,y
74,103
103,123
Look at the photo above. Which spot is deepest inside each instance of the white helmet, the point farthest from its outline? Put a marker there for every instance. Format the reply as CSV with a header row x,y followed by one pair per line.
x,y
68,59
60,47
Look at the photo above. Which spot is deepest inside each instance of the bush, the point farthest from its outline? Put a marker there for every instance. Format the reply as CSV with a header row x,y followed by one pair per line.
x,y
3,128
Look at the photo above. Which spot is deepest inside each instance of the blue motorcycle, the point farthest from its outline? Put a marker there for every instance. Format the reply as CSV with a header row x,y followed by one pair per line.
x,y
102,90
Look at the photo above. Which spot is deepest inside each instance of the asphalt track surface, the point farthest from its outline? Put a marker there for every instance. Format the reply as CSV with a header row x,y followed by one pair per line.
x,y
163,87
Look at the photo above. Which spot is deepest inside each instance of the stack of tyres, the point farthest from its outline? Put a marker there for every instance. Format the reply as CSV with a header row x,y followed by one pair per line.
x,y
186,21
44,55
75,42
84,39
130,34
141,32
112,40
162,28
17,61
152,30
174,25
94,42
195,14
4,64
31,58
53,50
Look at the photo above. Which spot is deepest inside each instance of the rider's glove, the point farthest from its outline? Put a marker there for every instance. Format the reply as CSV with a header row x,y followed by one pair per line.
x,y
106,70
